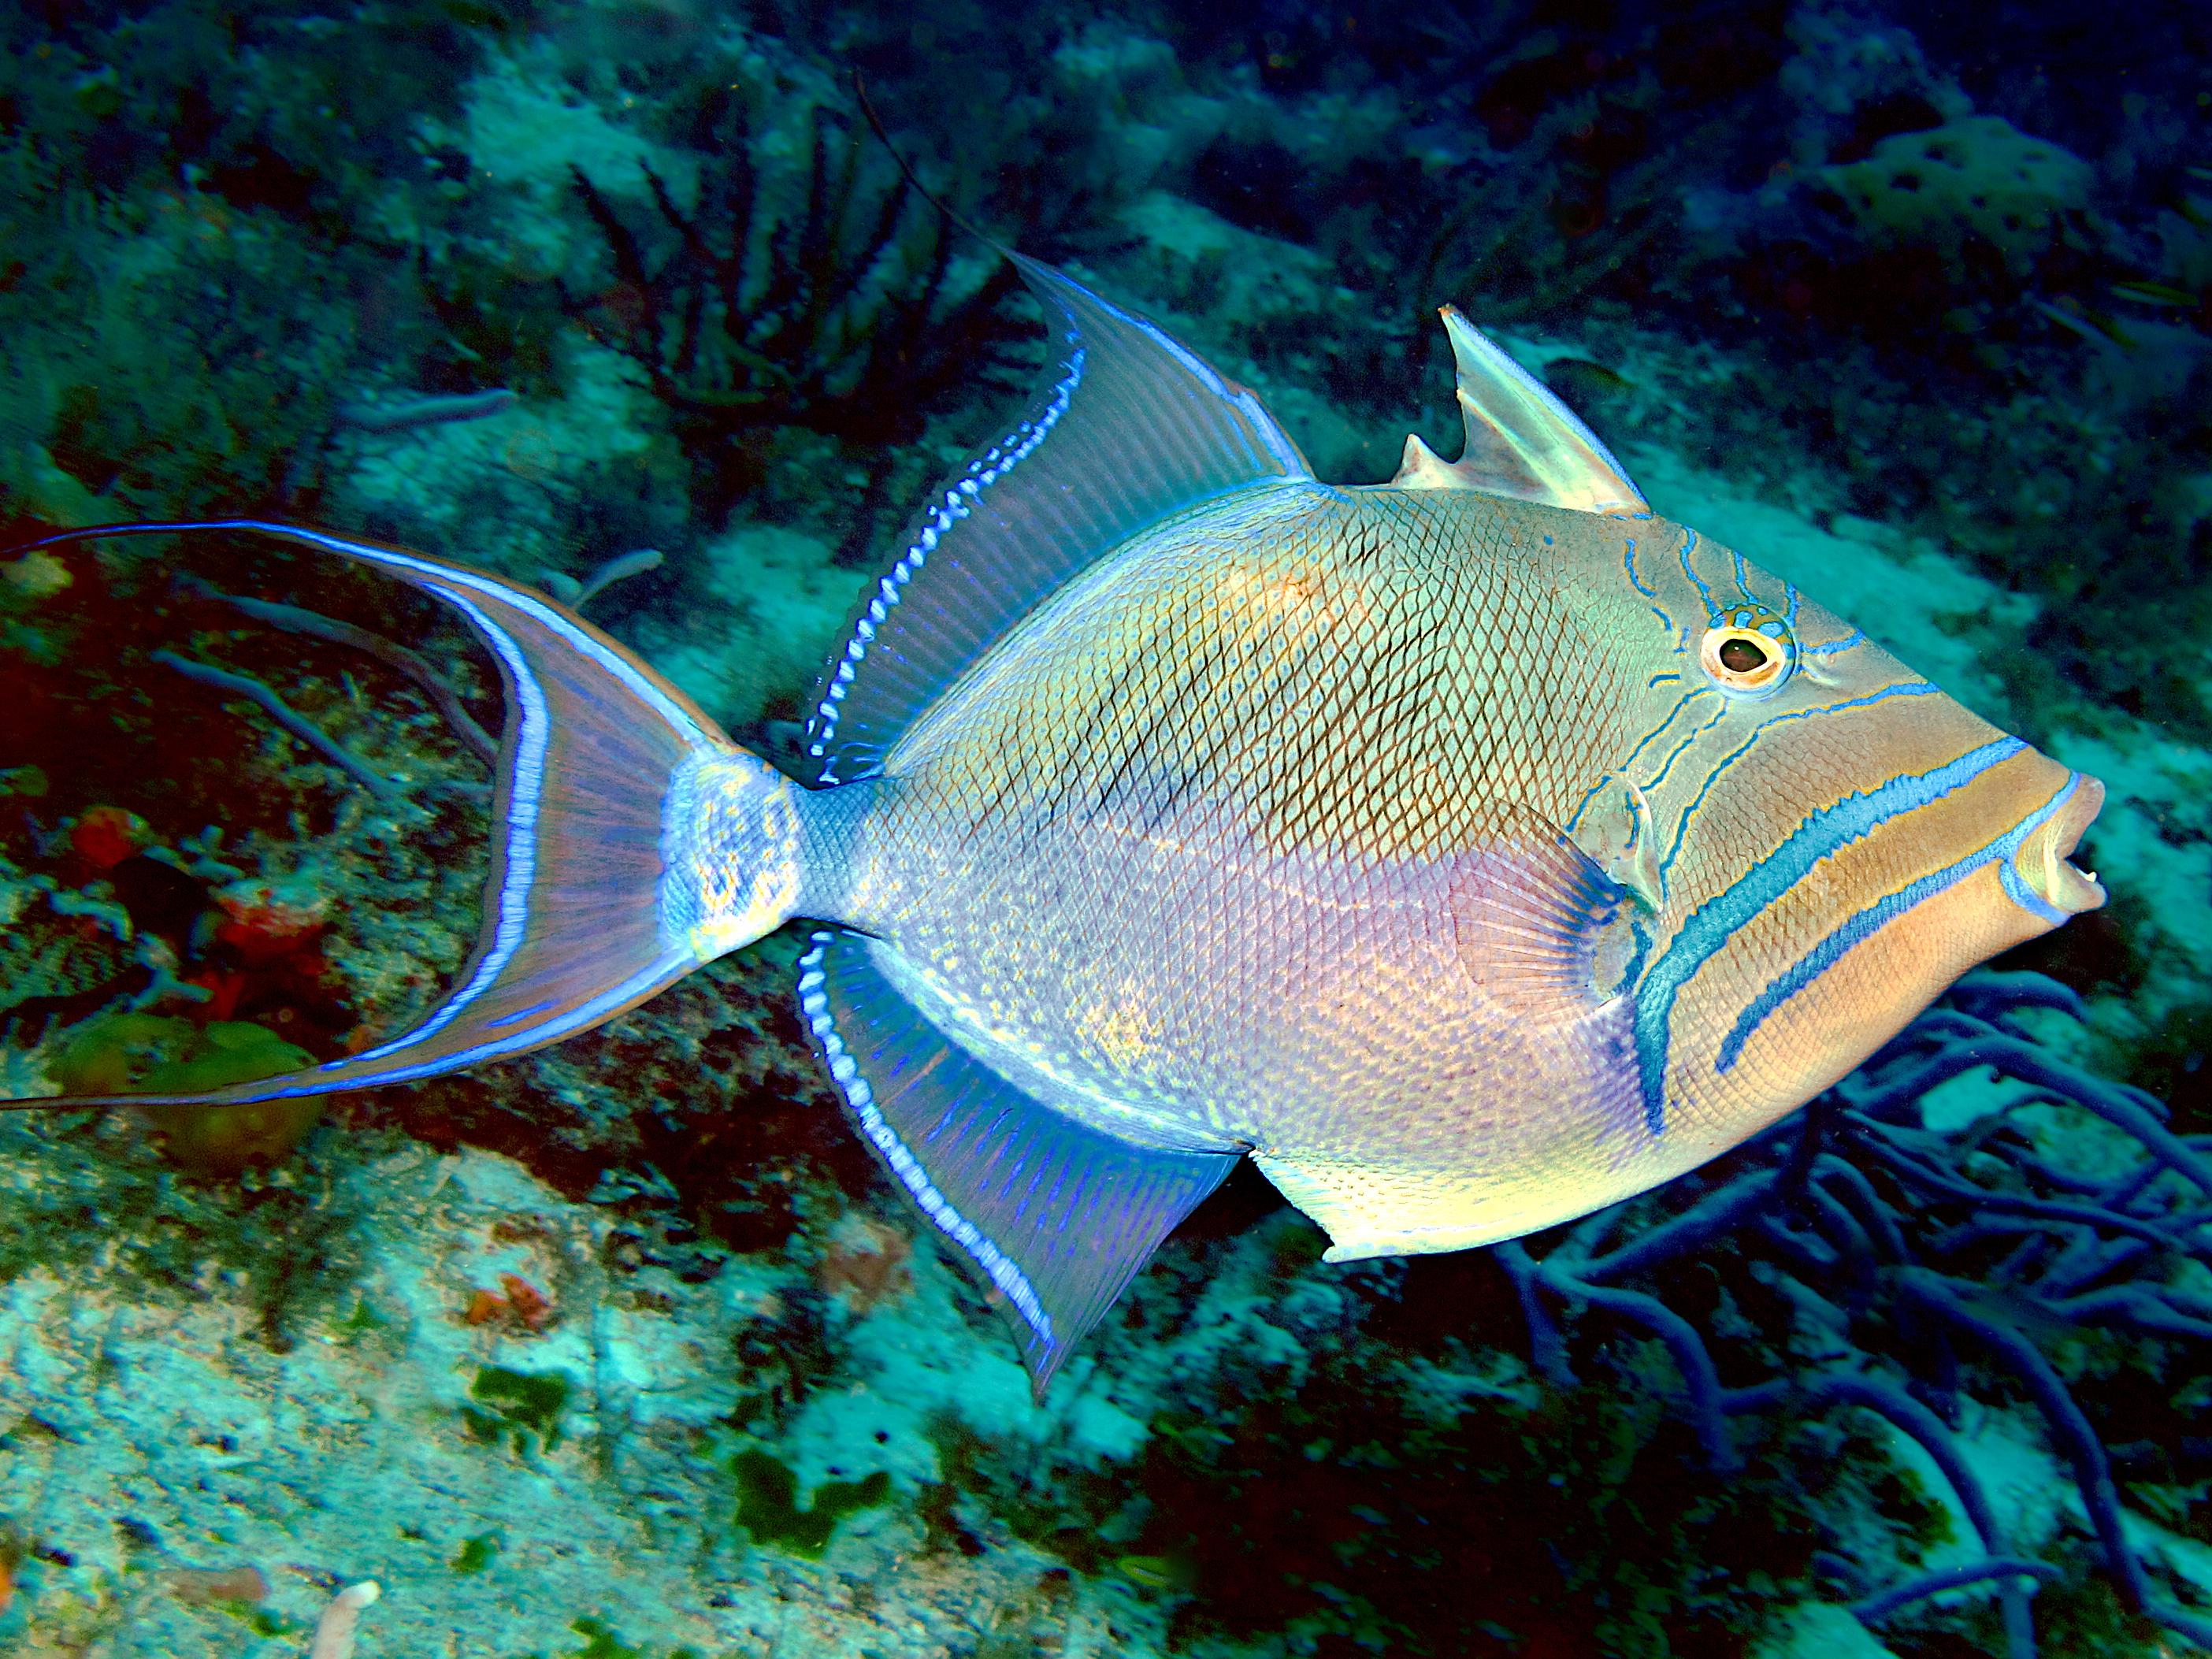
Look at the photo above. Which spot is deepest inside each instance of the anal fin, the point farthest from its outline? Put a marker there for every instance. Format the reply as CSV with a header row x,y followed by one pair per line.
x,y
1057,1216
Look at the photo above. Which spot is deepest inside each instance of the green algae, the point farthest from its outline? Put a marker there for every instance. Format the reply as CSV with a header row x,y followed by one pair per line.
x,y
148,1053
600,1642
477,1554
768,1509
523,1407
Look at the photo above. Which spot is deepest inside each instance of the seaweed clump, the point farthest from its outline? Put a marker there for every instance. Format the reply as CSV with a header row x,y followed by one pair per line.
x,y
768,1505
148,1053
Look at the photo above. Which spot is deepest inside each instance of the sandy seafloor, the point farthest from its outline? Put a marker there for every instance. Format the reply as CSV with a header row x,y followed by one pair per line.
x,y
627,1350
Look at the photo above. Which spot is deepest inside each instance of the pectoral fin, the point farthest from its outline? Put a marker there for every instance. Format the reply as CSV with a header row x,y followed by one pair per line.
x,y
1551,948
1543,931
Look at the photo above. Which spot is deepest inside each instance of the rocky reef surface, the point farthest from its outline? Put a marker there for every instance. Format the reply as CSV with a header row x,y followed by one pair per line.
x,y
626,1351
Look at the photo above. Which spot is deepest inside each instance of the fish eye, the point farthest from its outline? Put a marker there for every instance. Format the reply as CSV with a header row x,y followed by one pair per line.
x,y
1749,651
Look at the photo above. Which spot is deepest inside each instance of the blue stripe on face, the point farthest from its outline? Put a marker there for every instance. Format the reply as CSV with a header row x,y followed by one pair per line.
x,y
1689,546
1740,575
1850,641
1684,747
1869,921
1628,563
1916,689
1719,919
1657,732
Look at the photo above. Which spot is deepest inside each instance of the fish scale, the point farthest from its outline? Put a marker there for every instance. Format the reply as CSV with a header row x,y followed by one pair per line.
x,y
1196,888
1189,733
1470,851
1353,675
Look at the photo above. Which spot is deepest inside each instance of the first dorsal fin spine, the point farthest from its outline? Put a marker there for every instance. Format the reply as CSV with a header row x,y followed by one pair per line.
x,y
1522,441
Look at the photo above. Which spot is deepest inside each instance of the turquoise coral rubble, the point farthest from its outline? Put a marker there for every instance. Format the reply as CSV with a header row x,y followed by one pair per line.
x,y
627,1348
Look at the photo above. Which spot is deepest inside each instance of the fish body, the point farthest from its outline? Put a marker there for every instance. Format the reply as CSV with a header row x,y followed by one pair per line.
x,y
1286,830
1470,851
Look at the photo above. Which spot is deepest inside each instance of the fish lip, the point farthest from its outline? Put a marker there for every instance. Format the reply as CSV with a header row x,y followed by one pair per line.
x,y
2043,861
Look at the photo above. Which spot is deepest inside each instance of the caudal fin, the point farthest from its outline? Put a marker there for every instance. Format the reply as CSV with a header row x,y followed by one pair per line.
x,y
596,899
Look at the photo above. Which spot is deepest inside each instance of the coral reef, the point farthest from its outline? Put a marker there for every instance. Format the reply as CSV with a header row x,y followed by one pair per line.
x,y
1798,1376
627,1348
1976,177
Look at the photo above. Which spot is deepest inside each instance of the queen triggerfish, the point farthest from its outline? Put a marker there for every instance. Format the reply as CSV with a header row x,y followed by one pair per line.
x,y
1469,851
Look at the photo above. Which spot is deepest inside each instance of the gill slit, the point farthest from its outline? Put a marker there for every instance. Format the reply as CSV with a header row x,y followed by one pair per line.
x,y
1649,738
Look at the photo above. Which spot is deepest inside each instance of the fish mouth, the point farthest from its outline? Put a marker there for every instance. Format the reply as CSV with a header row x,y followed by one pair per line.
x,y
2042,860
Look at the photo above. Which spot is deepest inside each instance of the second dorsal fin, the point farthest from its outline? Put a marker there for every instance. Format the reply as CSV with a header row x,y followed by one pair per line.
x,y
1127,426
1521,440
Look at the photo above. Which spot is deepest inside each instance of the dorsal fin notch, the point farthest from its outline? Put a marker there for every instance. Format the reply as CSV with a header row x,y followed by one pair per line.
x,y
1521,440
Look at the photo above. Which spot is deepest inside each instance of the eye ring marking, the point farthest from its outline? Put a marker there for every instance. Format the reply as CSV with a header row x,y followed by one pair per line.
x,y
1748,652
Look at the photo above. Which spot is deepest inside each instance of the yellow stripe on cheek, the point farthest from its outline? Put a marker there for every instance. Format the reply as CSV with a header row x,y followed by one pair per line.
x,y
1870,901
1818,1035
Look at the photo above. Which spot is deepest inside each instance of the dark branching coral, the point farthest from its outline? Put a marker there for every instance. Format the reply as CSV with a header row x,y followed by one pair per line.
x,y
1930,1264
828,298
1362,1470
